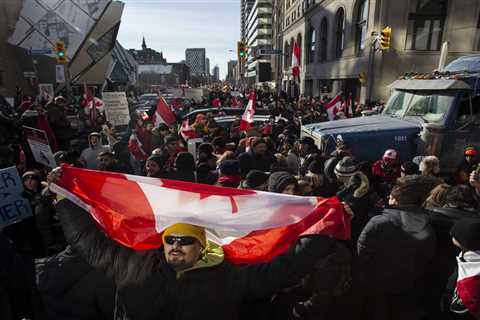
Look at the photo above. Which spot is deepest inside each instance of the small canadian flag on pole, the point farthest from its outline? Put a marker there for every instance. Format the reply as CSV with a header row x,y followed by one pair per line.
x,y
247,117
296,60
186,131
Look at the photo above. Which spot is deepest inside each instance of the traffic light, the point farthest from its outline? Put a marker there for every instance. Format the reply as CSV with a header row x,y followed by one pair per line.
x,y
241,50
385,38
61,54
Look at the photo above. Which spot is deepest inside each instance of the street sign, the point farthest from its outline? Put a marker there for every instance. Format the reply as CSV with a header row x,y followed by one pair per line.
x,y
29,74
269,52
60,73
34,52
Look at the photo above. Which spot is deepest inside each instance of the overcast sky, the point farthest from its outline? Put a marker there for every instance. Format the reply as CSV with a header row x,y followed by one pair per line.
x,y
172,26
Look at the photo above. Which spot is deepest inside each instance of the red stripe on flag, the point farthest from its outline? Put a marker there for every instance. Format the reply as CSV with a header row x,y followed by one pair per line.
x,y
127,222
469,291
163,111
263,246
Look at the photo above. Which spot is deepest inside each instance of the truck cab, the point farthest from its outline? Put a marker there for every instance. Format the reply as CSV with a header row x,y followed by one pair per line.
x,y
435,114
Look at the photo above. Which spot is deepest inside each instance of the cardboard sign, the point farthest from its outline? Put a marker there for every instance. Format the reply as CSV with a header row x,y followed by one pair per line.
x,y
38,142
13,207
116,108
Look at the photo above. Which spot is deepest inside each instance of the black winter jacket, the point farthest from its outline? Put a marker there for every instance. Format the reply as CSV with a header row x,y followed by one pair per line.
x,y
72,290
394,250
251,161
149,289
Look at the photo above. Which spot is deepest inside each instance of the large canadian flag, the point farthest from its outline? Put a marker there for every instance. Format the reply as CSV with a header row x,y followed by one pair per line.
x,y
333,106
247,117
468,281
163,114
296,59
250,226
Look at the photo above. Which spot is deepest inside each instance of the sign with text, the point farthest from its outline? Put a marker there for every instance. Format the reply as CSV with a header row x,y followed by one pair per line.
x,y
38,142
13,207
60,73
116,108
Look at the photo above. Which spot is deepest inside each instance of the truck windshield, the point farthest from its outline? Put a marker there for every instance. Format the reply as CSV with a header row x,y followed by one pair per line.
x,y
430,106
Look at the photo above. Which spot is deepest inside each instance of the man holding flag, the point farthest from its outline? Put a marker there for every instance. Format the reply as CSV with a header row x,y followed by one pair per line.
x,y
194,274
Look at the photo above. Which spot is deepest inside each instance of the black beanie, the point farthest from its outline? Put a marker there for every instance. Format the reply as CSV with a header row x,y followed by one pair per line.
x,y
185,161
158,160
255,178
467,233
409,168
316,167
205,148
279,180
229,168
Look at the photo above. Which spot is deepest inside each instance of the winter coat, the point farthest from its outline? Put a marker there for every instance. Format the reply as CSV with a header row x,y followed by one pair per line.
x,y
48,227
147,287
72,290
394,249
251,161
90,156
18,296
25,234
59,122
182,175
362,199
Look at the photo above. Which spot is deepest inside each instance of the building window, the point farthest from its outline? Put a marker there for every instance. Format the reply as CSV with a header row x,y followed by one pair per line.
x,y
425,24
339,32
286,55
323,40
312,43
362,25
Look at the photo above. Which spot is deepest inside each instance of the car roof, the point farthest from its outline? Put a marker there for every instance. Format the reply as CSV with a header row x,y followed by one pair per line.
x,y
234,111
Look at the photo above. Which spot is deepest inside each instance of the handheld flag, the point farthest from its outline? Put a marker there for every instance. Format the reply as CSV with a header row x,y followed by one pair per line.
x,y
247,117
250,226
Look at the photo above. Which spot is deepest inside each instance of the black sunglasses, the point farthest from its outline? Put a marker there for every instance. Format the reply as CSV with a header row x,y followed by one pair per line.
x,y
183,241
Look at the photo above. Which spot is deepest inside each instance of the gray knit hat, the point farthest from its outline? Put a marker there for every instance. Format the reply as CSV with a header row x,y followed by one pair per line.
x,y
345,167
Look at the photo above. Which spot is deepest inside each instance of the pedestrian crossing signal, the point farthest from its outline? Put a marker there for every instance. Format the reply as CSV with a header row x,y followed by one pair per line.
x,y
385,38
61,54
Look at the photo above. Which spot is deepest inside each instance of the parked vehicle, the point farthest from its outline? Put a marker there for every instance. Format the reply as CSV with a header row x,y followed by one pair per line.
x,y
435,114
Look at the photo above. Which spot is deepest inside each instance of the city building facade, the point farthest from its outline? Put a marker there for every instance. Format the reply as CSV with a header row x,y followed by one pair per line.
x,y
147,55
231,71
195,59
339,50
259,37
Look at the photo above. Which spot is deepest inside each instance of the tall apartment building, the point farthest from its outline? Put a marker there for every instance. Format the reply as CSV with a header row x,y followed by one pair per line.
x,y
207,67
245,8
216,73
258,37
336,42
196,60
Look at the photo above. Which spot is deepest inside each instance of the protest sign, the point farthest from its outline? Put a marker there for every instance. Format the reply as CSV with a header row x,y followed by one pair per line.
x,y
38,142
46,91
13,207
116,108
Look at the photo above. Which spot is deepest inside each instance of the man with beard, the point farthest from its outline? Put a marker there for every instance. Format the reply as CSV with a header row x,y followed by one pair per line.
x,y
188,277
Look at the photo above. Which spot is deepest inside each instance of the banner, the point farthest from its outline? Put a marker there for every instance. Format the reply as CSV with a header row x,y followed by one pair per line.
x,y
13,207
38,142
116,108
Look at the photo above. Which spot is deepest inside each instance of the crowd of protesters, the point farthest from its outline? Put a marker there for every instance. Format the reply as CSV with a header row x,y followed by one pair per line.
x,y
399,264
